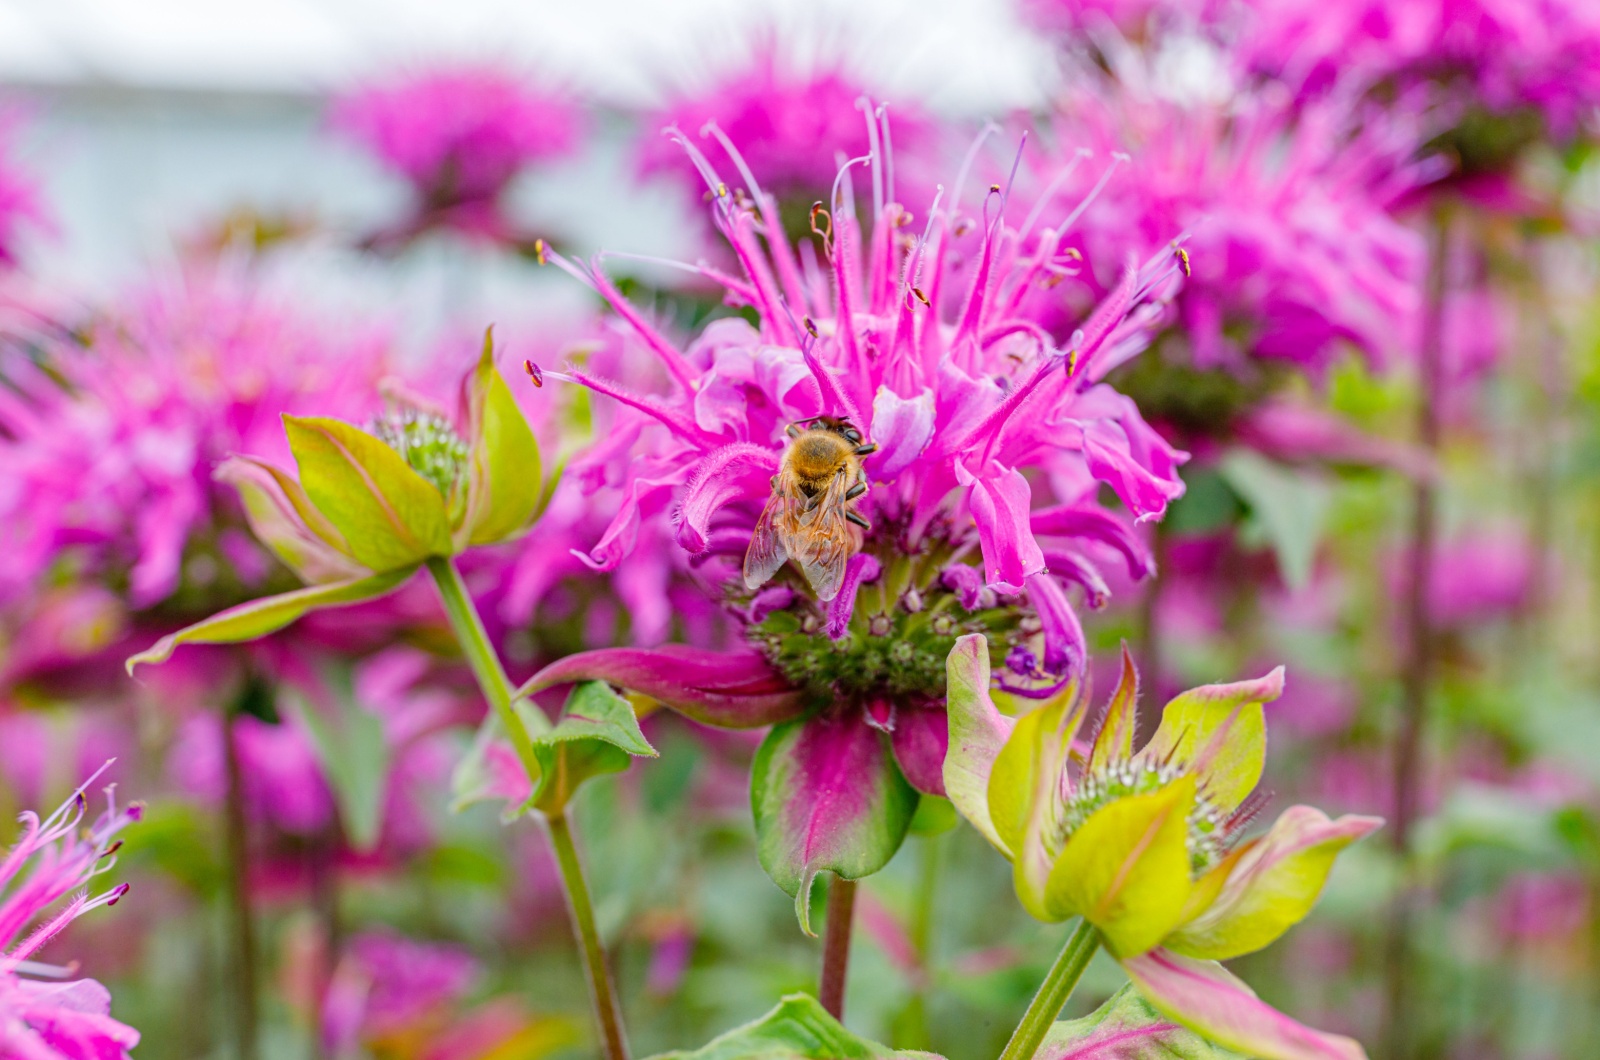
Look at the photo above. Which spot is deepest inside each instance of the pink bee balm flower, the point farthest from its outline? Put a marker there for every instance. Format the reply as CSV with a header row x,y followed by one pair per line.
x,y
20,205
1294,253
386,984
894,453
48,1019
458,135
788,124
113,470
1504,55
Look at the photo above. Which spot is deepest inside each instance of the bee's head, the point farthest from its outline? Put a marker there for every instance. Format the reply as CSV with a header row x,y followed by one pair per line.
x,y
842,427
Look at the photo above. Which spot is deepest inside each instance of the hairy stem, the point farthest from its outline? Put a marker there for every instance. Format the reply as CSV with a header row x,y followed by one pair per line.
x,y
836,945
497,689
601,993
1417,675
1057,987
241,918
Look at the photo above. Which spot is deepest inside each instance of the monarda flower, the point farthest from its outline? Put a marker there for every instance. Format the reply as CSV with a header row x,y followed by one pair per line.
x,y
46,1018
926,457
1149,846
458,135
371,505
109,442
20,205
783,121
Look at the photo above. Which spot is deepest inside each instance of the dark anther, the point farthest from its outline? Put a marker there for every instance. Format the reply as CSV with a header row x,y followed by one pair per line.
x,y
538,252
1183,260
533,373
920,296
811,328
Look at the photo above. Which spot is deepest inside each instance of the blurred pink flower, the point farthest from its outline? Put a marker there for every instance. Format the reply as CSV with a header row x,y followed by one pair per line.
x,y
108,454
1500,54
52,859
21,206
1292,249
386,983
790,125
283,782
1536,905
1477,576
458,134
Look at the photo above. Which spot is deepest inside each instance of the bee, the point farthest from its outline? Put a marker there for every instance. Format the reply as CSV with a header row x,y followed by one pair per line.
x,y
811,517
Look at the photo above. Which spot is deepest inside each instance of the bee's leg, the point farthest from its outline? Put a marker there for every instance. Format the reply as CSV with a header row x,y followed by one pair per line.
x,y
855,491
866,450
855,517
793,430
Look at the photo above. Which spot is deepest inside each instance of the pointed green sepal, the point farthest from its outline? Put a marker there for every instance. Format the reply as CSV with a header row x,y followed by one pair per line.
x,y
1272,885
1126,869
271,613
1219,733
505,488
390,516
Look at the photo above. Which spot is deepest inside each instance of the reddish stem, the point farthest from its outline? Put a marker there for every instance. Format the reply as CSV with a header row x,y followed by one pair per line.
x,y
836,945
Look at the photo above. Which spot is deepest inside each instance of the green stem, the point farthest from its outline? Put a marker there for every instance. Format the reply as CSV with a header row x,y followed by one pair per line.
x,y
1053,993
241,917
497,689
481,656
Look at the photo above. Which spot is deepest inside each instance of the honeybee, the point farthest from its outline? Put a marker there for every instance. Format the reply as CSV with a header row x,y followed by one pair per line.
x,y
811,517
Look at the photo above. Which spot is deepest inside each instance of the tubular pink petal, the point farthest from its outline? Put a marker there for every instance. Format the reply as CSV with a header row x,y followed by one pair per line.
x,y
724,475
859,568
999,501
1094,523
681,370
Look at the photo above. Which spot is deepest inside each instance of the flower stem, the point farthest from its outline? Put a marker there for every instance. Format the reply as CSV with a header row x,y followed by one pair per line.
x,y
481,656
497,689
1053,993
836,945
601,993
1417,674
241,919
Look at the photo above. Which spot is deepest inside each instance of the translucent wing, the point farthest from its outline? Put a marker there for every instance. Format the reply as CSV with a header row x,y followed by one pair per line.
x,y
823,539
766,552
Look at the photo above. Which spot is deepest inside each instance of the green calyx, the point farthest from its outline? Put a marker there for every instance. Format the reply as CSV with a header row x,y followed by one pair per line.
x,y
895,653
428,443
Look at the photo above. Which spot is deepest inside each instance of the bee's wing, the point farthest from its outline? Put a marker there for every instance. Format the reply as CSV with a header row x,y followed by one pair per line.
x,y
824,540
766,552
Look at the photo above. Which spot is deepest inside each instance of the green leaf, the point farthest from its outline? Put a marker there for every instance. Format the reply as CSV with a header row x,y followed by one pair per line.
x,y
597,734
1126,1027
271,613
389,515
505,487
798,1029
1287,510
354,754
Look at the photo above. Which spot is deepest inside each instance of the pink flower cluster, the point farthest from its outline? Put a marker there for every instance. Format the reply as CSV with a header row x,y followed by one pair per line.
x,y
792,126
1293,250
20,204
110,442
458,134
48,1019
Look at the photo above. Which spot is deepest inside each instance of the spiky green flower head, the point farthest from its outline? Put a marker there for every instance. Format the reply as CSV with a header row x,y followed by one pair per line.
x,y
1148,845
428,443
